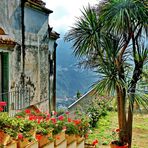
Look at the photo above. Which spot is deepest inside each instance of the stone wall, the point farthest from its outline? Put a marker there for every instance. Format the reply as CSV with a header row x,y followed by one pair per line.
x,y
84,102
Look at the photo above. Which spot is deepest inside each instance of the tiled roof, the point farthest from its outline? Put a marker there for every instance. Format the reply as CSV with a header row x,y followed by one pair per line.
x,y
39,2
6,41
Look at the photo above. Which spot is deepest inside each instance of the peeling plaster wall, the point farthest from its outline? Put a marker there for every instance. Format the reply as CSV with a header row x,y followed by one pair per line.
x,y
36,49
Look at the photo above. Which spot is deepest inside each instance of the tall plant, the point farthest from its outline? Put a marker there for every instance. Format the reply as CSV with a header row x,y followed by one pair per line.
x,y
111,38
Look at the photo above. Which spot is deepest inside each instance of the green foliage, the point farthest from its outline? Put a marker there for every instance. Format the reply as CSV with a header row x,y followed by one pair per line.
x,y
97,109
9,125
71,128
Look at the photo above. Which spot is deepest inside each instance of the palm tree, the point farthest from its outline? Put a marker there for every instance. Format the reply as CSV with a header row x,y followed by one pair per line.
x,y
111,39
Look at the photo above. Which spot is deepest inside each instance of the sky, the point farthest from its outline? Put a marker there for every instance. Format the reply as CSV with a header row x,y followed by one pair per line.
x,y
65,13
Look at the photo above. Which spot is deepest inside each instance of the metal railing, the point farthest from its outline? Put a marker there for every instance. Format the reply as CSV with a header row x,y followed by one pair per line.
x,y
17,99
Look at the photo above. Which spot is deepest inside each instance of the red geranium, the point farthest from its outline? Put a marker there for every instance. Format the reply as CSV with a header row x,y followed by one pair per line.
x,y
53,120
78,121
38,137
27,111
95,142
61,118
1,109
20,136
3,103
69,119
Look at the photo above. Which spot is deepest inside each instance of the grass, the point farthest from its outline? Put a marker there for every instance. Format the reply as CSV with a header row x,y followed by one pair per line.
x,y
108,123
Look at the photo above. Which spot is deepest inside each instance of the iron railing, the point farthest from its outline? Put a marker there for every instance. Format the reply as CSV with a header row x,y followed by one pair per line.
x,y
17,99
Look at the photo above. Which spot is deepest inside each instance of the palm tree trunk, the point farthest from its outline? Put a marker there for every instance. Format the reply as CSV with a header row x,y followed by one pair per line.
x,y
136,76
121,112
130,123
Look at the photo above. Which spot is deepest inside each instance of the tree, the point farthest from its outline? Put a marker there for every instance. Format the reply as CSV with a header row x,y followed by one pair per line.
x,y
111,39
78,94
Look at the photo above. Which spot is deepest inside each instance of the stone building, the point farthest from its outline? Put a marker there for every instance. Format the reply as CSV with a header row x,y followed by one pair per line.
x,y
27,55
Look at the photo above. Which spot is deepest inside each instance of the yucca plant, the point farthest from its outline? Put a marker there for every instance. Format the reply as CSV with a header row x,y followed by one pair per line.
x,y
111,39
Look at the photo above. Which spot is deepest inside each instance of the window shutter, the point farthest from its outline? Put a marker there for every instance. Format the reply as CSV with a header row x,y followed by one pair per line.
x,y
5,76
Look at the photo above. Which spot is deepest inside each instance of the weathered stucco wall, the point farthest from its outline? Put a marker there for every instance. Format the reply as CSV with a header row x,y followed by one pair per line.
x,y
36,49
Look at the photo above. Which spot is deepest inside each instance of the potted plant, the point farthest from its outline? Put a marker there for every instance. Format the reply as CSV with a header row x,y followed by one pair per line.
x,y
71,131
58,126
27,132
116,143
9,128
44,133
81,122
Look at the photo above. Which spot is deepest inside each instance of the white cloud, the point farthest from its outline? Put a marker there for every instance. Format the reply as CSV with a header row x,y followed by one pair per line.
x,y
65,11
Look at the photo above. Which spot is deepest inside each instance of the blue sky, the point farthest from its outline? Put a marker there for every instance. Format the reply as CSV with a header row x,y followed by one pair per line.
x,y
65,12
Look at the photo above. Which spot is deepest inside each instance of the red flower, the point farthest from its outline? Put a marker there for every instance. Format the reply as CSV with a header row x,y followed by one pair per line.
x,y
53,120
95,142
37,111
69,120
48,115
38,137
27,111
78,121
67,113
18,116
39,121
61,118
32,117
39,117
3,103
1,109
20,136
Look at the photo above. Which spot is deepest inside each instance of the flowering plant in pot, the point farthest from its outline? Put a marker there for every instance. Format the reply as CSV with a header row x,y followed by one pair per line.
x,y
71,131
9,128
44,133
117,143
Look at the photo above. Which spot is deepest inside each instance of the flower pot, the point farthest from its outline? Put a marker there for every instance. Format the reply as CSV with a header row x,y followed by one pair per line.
x,y
23,143
70,138
79,138
4,138
33,144
13,144
114,145
44,139
49,145
59,137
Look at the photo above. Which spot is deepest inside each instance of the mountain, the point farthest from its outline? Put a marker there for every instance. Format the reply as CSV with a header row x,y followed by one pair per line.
x,y
71,78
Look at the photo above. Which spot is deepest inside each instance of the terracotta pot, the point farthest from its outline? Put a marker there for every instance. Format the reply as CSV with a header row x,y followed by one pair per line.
x,y
4,138
44,139
113,145
59,138
70,138
79,138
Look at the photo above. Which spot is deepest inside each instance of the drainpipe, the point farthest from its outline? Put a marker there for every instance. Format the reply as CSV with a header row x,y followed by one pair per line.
x,y
23,42
54,77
